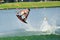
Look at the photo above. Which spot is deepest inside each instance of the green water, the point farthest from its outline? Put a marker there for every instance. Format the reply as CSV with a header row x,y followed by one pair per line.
x,y
34,37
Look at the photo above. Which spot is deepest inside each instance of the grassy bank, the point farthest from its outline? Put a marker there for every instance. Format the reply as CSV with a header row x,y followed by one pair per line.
x,y
41,37
29,4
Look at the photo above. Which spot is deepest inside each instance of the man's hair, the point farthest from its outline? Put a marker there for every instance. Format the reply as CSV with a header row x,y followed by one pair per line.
x,y
28,9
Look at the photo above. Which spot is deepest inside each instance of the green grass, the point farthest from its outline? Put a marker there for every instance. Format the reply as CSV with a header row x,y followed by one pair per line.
x,y
29,4
36,37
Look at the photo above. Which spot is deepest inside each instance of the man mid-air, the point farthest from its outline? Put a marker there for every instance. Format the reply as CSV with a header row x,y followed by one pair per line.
x,y
23,14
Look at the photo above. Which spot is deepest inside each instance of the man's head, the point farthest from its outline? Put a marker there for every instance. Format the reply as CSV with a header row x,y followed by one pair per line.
x,y
28,9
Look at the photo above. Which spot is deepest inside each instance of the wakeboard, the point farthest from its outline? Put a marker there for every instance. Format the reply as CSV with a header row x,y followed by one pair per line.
x,y
20,18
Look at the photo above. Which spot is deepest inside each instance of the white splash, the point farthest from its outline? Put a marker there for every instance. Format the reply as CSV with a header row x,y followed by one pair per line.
x,y
46,27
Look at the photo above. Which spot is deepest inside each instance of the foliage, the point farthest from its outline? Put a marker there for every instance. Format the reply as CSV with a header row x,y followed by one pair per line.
x,y
36,37
29,5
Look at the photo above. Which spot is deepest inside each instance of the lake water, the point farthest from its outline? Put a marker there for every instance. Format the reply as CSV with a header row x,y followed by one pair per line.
x,y
9,22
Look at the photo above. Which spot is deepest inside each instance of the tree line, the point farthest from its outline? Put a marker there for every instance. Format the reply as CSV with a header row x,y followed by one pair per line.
x,y
25,0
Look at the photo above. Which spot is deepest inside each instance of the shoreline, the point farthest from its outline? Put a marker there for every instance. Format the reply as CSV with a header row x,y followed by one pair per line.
x,y
21,5
31,8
